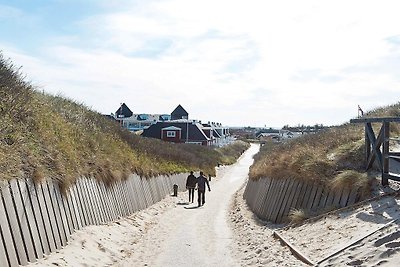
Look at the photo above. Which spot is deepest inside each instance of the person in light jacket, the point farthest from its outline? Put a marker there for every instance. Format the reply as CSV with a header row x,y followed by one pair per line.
x,y
201,189
191,182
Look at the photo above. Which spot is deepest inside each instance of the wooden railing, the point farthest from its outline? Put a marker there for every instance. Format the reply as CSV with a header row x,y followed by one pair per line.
x,y
377,147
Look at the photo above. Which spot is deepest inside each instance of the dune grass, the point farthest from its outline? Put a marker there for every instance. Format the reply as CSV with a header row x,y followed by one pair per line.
x,y
44,136
297,216
334,157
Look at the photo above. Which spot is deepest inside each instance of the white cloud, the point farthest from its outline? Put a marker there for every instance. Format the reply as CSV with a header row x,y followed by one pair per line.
x,y
240,62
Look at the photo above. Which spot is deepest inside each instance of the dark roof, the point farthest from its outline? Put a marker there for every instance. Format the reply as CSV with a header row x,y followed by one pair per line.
x,y
195,133
179,113
142,117
123,112
164,117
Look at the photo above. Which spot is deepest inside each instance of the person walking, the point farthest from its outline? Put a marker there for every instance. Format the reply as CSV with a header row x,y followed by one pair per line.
x,y
191,182
201,189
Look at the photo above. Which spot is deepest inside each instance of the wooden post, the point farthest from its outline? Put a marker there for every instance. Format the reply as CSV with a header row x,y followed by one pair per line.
x,y
385,152
367,145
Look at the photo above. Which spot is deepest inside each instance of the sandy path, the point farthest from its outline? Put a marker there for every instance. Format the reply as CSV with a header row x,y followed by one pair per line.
x,y
191,236
166,234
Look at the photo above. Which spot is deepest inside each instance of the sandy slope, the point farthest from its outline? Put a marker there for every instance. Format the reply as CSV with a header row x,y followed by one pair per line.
x,y
170,233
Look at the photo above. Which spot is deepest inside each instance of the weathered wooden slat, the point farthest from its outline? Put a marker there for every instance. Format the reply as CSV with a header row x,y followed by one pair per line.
x,y
259,197
101,200
324,197
158,185
250,195
36,229
14,225
24,222
117,201
147,195
153,193
42,217
311,200
307,196
82,203
264,203
301,195
121,198
336,198
296,195
96,201
57,212
344,197
125,197
279,203
110,212
70,206
65,211
169,185
273,197
63,200
3,253
317,197
78,208
114,203
285,200
137,191
291,200
131,194
107,201
5,228
91,200
52,215
352,197
58,208
329,200
141,191
87,193
133,197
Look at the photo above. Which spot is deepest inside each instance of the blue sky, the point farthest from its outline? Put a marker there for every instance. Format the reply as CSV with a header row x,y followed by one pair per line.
x,y
241,63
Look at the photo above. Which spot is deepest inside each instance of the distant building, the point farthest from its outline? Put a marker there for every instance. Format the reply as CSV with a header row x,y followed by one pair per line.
x,y
175,127
179,113
137,122
123,112
178,131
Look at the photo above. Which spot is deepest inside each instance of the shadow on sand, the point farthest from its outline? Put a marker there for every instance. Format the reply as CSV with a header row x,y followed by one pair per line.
x,y
193,207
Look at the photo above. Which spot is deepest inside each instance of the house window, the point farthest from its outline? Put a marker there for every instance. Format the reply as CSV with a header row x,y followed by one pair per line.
x,y
171,134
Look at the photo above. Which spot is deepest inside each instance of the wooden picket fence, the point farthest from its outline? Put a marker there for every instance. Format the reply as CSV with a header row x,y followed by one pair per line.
x,y
36,220
272,199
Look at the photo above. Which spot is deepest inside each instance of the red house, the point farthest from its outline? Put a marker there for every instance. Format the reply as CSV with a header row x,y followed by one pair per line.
x,y
171,134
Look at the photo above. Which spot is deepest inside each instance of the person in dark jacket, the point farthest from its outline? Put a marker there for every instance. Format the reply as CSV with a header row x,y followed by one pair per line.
x,y
191,182
201,188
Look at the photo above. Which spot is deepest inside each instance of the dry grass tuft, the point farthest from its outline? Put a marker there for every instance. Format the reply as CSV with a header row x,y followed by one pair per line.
x,y
348,179
297,216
